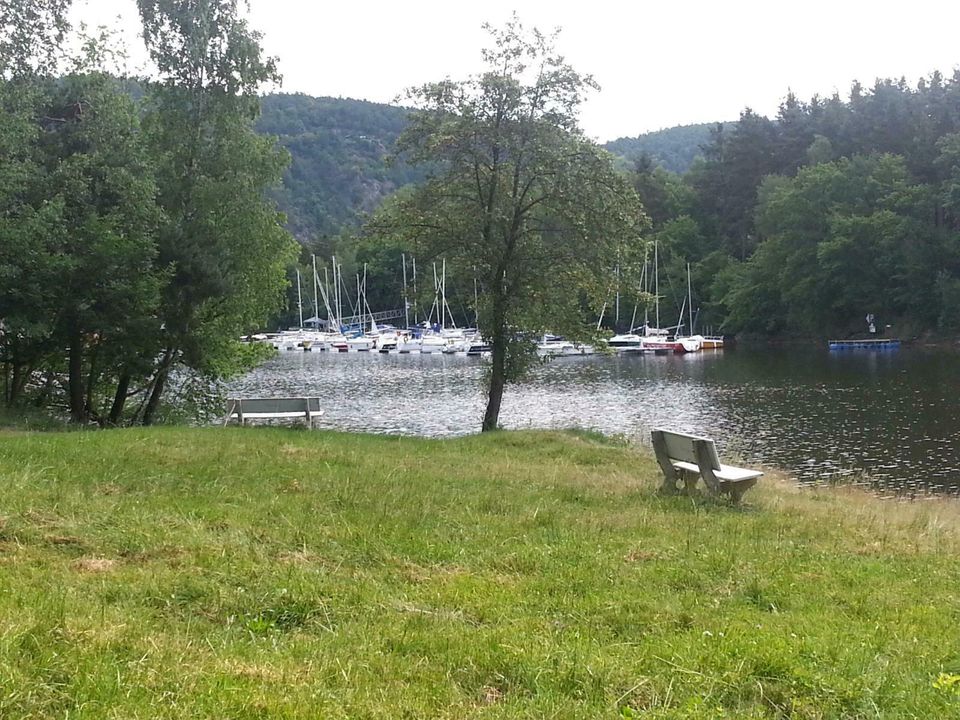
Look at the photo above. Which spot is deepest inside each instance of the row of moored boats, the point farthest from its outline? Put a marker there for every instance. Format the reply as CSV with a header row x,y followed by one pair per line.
x,y
468,341
361,333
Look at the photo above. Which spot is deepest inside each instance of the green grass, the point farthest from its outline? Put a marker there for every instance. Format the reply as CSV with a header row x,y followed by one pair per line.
x,y
277,573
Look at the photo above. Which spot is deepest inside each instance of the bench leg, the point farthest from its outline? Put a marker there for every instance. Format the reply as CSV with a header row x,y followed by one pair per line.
x,y
737,489
670,476
690,482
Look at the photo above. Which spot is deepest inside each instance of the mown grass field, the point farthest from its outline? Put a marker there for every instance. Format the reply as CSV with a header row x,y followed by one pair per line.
x,y
278,573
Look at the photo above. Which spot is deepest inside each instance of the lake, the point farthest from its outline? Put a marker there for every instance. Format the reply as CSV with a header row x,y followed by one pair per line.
x,y
888,419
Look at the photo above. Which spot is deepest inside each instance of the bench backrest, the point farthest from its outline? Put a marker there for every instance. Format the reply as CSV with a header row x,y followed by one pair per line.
x,y
274,405
680,447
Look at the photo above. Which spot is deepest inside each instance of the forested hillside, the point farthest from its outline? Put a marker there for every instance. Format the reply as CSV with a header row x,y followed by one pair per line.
x,y
337,170
338,147
804,223
674,148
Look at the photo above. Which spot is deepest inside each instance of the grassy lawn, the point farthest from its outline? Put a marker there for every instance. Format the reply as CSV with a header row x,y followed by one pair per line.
x,y
274,573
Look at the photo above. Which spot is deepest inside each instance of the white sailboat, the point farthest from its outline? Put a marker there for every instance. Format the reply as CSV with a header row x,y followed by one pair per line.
x,y
690,343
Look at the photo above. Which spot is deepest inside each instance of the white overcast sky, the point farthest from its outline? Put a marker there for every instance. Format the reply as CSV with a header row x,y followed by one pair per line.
x,y
659,63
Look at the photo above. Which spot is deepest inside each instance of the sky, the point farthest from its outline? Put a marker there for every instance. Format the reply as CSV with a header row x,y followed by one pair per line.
x,y
659,64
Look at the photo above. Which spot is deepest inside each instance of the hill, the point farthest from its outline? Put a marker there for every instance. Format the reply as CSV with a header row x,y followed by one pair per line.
x,y
338,148
674,148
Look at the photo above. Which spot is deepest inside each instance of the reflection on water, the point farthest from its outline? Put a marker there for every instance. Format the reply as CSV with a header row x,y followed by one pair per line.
x,y
818,415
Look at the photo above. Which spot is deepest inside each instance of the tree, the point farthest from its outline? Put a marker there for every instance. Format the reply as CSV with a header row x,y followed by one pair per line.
x,y
30,34
222,239
107,289
77,214
517,197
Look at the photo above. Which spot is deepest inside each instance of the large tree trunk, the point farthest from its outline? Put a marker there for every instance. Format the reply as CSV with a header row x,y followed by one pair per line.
x,y
159,383
75,378
119,399
498,379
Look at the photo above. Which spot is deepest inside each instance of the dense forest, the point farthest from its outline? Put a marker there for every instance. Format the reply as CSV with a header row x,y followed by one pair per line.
x,y
136,241
804,223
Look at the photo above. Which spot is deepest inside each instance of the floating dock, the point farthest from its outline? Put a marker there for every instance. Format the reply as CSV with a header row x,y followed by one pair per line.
x,y
875,344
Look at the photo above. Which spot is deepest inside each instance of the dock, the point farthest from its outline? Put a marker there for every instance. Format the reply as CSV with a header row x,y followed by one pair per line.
x,y
873,344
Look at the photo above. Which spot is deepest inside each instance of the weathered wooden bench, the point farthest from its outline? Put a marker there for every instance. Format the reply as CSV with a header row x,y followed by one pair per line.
x,y
262,408
688,458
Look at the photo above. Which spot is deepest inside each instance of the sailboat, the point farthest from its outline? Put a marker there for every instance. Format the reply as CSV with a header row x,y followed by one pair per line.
x,y
691,343
629,342
657,339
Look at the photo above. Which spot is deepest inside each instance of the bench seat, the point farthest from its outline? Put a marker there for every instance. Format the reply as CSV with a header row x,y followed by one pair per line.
x,y
727,473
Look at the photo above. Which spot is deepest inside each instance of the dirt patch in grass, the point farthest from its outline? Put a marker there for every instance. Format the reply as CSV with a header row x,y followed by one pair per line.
x,y
93,565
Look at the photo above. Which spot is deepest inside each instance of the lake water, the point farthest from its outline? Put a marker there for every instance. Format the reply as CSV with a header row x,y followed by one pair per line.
x,y
890,419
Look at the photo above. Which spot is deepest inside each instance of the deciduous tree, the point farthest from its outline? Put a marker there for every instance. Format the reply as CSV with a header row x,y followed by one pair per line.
x,y
518,196
221,237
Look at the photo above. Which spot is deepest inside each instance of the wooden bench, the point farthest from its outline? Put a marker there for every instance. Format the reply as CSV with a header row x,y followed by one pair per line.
x,y
253,408
688,458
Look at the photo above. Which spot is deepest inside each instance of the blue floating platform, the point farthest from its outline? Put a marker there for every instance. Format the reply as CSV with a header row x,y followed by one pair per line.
x,y
878,344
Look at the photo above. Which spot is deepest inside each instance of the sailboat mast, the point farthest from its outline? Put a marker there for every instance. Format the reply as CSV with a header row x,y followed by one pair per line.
x,y
436,298
299,298
616,321
443,296
476,299
366,305
316,299
336,294
646,289
656,283
689,300
358,308
326,298
413,260
406,304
